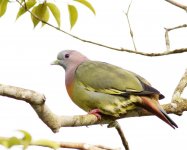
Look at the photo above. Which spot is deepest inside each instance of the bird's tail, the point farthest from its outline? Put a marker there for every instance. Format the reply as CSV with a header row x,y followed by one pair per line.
x,y
153,106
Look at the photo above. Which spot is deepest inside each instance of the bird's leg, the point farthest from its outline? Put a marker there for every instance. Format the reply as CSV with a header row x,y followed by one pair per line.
x,y
96,113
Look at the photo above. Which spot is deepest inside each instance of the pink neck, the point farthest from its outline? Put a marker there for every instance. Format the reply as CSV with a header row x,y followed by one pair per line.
x,y
70,72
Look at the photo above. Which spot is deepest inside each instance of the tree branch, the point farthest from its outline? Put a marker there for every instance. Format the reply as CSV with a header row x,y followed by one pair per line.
x,y
165,52
177,4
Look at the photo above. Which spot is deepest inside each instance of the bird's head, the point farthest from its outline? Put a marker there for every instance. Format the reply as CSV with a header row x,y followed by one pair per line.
x,y
68,58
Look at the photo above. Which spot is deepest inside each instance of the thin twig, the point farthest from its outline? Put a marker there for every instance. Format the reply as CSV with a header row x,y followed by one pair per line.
x,y
167,30
167,39
177,27
130,28
121,134
181,50
179,5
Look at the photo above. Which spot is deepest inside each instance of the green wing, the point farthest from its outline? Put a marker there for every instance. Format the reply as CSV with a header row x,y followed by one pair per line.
x,y
110,79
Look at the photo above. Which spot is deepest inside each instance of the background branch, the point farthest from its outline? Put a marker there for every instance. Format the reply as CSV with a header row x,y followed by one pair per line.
x,y
177,4
165,52
27,141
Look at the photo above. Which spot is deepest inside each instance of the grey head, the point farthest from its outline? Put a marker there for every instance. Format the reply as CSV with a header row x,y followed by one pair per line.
x,y
69,58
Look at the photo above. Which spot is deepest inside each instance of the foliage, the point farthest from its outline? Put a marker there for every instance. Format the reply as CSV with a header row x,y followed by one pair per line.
x,y
40,12
12,141
26,141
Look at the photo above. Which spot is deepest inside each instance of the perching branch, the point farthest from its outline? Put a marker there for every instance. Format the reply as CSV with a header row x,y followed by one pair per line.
x,y
179,5
55,122
165,52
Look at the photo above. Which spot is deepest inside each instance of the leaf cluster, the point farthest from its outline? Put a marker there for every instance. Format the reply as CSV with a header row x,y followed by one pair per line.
x,y
40,12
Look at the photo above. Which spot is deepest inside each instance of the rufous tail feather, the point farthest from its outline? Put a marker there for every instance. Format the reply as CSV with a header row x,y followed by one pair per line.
x,y
153,107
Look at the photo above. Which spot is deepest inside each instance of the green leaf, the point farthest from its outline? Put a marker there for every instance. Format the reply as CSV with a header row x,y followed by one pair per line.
x,y
73,15
45,17
33,18
3,7
87,4
13,141
55,11
40,13
9,142
29,4
26,139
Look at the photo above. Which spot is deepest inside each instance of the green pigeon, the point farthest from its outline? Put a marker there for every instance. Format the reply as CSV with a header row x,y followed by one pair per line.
x,y
102,88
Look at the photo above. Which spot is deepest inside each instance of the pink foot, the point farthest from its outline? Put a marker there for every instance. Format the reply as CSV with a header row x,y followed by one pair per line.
x,y
96,113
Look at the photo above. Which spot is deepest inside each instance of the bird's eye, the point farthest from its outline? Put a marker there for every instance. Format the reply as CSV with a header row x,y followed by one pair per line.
x,y
66,55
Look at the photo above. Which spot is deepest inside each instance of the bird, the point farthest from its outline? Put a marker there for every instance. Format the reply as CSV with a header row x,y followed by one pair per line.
x,y
101,88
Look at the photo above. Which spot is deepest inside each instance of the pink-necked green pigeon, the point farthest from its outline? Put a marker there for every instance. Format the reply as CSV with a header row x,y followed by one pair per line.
x,y
102,88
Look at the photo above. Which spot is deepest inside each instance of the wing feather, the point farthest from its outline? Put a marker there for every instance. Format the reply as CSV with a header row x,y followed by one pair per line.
x,y
106,78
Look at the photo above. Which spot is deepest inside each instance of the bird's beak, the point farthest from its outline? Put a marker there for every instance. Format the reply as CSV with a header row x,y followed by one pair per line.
x,y
56,62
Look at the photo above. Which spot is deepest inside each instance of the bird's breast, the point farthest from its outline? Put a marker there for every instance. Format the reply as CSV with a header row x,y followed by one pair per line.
x,y
69,88
70,82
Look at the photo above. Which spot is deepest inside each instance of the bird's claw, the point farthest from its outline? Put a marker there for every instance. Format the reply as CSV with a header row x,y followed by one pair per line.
x,y
96,113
